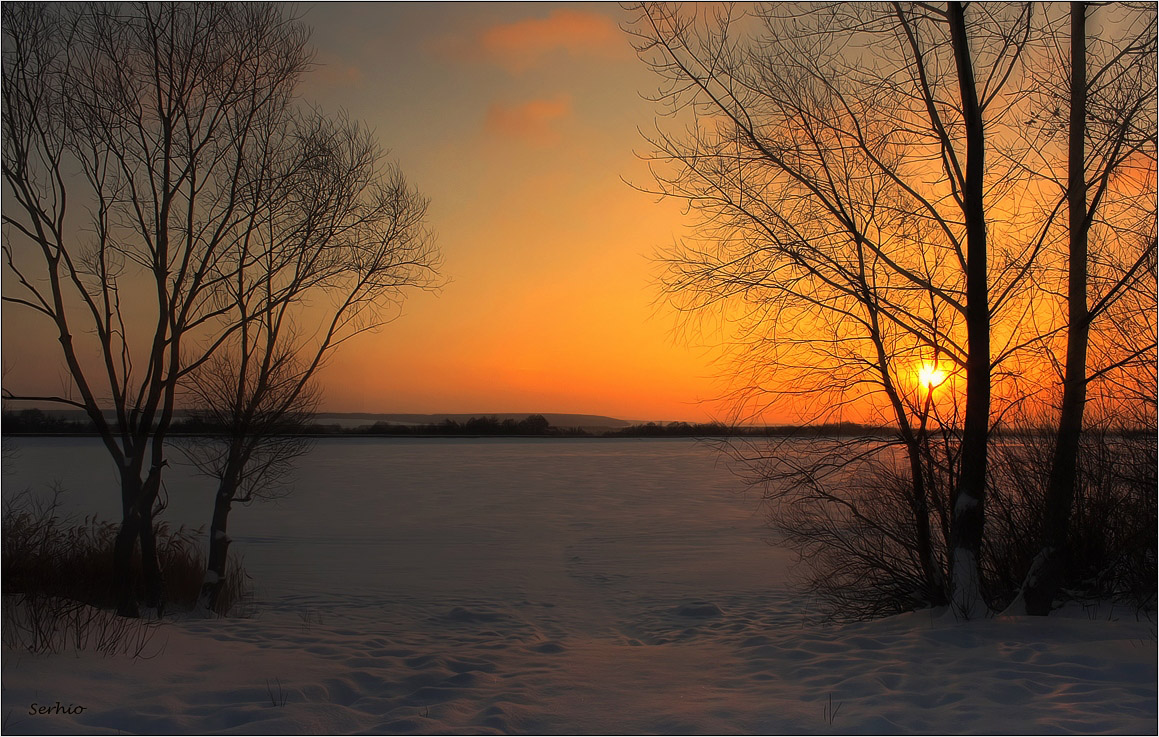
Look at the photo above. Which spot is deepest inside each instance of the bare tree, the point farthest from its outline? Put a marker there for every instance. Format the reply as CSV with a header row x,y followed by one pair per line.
x,y
147,148
836,156
344,236
1109,189
874,192
253,420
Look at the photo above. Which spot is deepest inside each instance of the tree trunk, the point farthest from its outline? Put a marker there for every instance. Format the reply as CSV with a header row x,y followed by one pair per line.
x,y
1042,581
123,547
137,524
125,543
150,566
219,541
968,514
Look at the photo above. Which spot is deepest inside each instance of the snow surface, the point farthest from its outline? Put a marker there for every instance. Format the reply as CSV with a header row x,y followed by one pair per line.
x,y
580,586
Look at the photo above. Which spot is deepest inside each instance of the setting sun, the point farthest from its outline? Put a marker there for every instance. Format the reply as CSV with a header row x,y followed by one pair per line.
x,y
930,377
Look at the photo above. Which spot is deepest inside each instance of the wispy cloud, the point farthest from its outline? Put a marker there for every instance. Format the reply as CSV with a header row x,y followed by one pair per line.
x,y
523,44
532,121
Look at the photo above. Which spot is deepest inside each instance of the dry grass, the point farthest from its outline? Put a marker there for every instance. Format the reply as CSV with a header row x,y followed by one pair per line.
x,y
58,569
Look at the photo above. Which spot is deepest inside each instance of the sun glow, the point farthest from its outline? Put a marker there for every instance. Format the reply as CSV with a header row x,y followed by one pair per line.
x,y
930,376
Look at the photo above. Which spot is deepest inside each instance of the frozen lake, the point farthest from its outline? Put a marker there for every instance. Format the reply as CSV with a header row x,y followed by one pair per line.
x,y
411,519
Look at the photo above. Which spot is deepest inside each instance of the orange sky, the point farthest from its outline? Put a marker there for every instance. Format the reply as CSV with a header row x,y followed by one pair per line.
x,y
519,122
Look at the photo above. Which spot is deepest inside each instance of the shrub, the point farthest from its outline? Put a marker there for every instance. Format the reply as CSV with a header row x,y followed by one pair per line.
x,y
50,556
846,513
843,506
1111,541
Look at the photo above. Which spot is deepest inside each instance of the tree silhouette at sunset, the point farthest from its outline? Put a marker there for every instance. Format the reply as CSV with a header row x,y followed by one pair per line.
x,y
173,210
871,200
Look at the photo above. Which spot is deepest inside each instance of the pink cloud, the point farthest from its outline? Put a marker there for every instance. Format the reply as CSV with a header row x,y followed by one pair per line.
x,y
520,45
531,121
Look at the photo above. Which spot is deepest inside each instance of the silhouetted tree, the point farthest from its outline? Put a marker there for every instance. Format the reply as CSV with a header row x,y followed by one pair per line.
x,y
871,198
837,160
482,425
156,166
1110,103
342,237
535,425
259,411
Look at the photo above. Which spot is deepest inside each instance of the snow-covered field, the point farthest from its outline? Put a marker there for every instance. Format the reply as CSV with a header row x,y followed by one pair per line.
x,y
578,586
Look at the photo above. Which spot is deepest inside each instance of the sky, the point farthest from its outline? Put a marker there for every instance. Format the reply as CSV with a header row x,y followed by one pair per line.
x,y
520,122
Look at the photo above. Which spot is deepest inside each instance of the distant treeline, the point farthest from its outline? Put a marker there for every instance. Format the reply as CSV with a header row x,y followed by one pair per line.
x,y
536,425
719,429
38,422
532,425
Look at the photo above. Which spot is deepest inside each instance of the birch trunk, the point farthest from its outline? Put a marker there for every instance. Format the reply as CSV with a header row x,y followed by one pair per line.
x,y
219,541
968,513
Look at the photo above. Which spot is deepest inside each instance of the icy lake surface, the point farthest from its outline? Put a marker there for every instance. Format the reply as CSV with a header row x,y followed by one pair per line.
x,y
548,586
386,520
